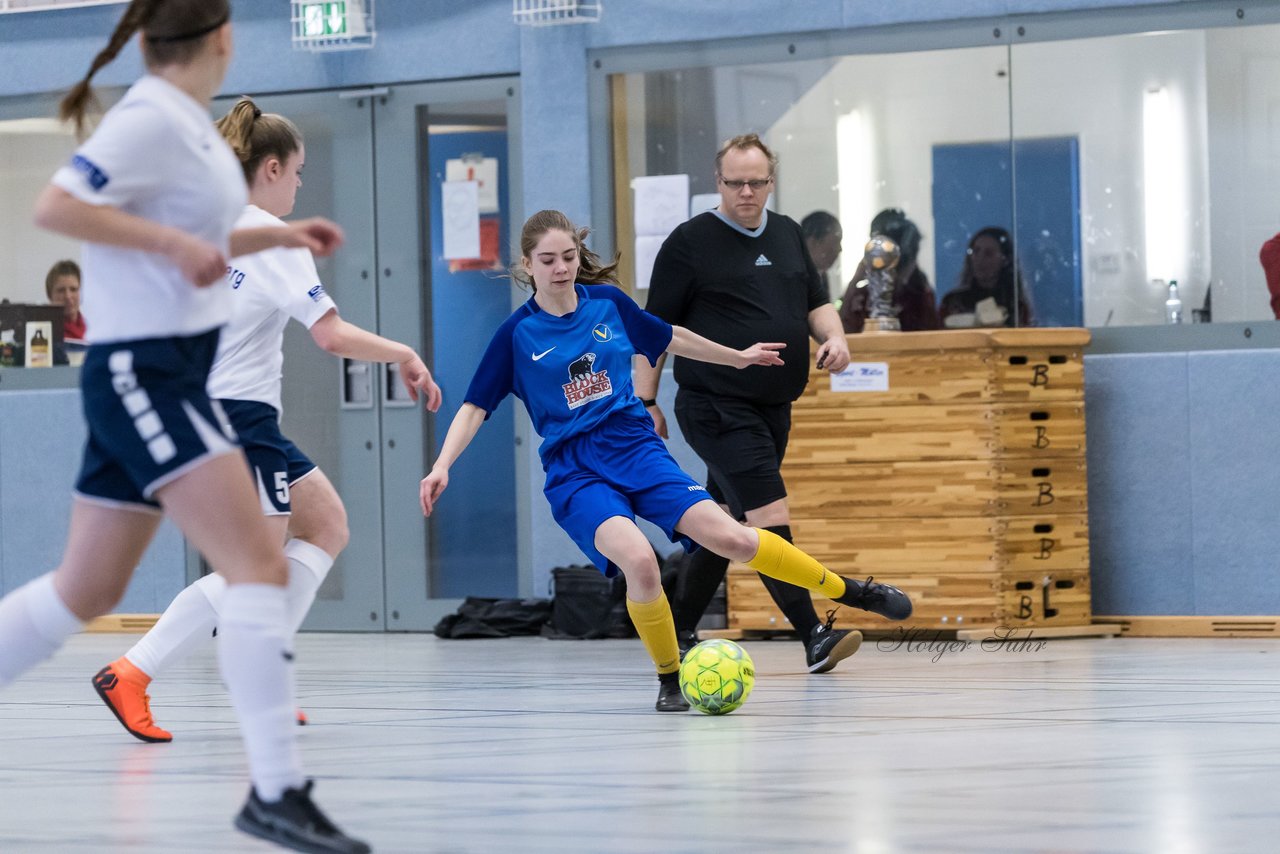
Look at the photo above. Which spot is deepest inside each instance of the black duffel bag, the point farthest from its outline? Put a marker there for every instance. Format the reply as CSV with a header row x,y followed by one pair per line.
x,y
495,618
587,606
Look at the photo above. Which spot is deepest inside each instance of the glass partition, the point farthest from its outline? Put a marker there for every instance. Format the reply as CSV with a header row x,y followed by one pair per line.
x,y
1073,181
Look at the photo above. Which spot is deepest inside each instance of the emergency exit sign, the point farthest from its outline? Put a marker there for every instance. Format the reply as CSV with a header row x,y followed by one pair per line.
x,y
324,19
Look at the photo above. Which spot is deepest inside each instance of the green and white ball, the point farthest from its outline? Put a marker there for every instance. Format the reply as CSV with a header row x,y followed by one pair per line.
x,y
716,676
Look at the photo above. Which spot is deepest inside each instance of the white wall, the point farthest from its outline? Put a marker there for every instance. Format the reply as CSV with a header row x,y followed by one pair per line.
x,y
27,161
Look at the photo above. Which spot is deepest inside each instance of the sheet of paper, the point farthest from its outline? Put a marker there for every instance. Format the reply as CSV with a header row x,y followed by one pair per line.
x,y
862,376
702,203
661,203
461,202
482,170
646,251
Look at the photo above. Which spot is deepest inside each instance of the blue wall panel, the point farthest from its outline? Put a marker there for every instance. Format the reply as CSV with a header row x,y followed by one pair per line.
x,y
41,437
1136,409
1234,494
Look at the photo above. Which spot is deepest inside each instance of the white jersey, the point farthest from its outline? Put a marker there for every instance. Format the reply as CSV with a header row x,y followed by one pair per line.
x,y
156,155
267,289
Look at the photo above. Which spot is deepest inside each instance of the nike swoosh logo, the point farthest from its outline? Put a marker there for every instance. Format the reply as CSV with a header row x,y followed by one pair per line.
x,y
537,356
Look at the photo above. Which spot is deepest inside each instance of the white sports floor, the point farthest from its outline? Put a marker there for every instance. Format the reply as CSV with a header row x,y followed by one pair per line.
x,y
547,747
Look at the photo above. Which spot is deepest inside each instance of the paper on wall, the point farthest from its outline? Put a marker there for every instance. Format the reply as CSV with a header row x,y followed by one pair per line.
x,y
661,203
461,203
646,251
703,202
482,170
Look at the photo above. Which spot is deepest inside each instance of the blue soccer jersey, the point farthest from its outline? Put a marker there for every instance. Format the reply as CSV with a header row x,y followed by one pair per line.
x,y
572,372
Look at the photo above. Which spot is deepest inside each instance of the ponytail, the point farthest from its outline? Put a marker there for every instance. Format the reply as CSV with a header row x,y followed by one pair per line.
x,y
255,136
81,98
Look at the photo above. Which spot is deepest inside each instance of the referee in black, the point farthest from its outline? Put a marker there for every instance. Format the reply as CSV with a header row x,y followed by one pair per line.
x,y
737,275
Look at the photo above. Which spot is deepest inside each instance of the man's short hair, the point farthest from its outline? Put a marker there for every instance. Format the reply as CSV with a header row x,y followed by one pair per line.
x,y
819,224
744,142
62,268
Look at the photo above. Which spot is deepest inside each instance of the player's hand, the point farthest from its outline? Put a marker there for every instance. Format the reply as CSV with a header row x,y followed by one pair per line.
x,y
430,489
659,420
833,355
201,262
318,234
416,377
760,354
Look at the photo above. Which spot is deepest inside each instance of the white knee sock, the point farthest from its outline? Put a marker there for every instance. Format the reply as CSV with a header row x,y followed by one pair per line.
x,y
34,623
308,565
255,653
188,621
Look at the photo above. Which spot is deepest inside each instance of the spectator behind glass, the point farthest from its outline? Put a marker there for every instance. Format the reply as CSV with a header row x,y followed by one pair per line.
x,y
822,237
989,273
1270,258
913,296
62,286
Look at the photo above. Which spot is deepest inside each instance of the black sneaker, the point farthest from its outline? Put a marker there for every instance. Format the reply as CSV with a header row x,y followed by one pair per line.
x,y
827,646
883,599
687,640
296,822
669,697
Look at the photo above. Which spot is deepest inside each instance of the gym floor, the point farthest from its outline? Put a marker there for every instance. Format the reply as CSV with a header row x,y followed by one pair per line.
x,y
546,747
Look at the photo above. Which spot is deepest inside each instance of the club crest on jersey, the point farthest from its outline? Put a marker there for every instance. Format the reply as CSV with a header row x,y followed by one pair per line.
x,y
585,383
601,333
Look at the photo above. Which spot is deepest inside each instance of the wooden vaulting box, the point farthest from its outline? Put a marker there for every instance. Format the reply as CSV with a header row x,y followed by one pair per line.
x,y
951,464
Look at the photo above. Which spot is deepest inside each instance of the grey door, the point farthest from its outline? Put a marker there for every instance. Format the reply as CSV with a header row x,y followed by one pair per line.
x,y
367,167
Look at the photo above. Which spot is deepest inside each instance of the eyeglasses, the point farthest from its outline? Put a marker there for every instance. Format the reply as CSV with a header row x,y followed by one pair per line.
x,y
756,185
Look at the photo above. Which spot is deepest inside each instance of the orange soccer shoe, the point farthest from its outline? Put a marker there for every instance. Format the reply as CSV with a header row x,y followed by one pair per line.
x,y
123,688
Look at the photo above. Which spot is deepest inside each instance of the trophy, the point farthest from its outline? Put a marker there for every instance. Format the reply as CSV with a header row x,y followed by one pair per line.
x,y
880,260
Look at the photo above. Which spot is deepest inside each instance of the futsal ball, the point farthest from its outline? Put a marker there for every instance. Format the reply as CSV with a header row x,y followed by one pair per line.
x,y
716,676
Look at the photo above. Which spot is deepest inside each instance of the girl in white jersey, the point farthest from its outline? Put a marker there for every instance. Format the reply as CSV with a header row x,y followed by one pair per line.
x,y
268,288
155,193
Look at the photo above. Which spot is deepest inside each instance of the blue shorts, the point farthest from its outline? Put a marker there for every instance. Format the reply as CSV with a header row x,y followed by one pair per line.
x,y
621,468
150,419
276,463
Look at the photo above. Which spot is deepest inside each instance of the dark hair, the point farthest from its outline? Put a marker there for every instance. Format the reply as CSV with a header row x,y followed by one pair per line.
x,y
881,221
254,136
907,235
745,142
591,270
1010,289
66,267
175,32
819,224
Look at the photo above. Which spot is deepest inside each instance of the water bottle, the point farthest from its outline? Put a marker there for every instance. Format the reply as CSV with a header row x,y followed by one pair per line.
x,y
1173,305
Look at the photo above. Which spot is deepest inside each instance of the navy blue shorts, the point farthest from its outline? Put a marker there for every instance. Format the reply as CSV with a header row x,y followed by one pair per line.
x,y
276,463
621,468
150,419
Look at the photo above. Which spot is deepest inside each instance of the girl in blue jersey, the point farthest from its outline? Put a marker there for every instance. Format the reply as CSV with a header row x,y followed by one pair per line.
x,y
566,353
155,193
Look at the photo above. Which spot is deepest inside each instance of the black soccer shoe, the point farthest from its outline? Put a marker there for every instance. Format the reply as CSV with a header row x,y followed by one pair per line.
x,y
295,822
687,641
883,599
827,647
669,697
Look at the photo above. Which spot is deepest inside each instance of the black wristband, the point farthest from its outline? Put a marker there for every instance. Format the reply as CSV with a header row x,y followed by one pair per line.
x,y
648,402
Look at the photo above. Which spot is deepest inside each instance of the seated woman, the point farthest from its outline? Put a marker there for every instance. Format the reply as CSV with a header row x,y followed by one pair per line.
x,y
989,273
913,296
62,286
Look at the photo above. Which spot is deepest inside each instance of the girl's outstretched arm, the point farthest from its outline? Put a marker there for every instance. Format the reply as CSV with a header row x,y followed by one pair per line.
x,y
693,346
463,429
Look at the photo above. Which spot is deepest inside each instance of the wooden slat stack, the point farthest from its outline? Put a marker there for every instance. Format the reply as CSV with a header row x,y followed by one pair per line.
x,y
963,483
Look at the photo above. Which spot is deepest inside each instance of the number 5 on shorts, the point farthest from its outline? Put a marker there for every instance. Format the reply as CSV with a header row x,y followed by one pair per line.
x,y
282,487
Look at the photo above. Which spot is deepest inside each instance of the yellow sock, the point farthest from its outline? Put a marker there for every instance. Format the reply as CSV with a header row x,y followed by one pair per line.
x,y
779,559
657,630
